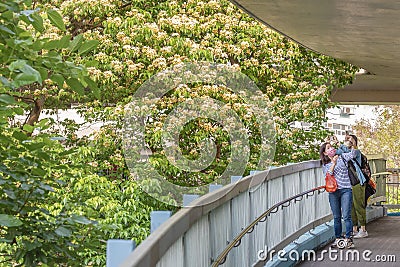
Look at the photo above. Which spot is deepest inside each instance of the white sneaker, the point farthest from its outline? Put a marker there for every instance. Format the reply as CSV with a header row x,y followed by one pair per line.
x,y
361,234
335,243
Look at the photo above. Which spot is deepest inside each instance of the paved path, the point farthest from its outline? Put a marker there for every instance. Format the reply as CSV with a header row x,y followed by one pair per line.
x,y
383,243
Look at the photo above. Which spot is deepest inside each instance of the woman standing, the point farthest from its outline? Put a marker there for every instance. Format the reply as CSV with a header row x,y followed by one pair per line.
x,y
358,211
340,200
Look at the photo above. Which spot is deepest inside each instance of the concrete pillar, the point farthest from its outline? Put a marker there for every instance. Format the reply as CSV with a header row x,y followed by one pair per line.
x,y
117,251
157,218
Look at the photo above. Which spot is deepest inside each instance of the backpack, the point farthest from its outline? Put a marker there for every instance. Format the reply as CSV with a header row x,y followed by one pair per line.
x,y
352,172
366,170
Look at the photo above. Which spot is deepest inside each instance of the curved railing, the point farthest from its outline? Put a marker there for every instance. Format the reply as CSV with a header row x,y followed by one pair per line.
x,y
262,218
197,235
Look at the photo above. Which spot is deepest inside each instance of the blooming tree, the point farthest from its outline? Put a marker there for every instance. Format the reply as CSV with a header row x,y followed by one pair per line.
x,y
139,39
380,137
120,45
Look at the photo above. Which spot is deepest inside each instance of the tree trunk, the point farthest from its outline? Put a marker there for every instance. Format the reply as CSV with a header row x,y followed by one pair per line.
x,y
35,112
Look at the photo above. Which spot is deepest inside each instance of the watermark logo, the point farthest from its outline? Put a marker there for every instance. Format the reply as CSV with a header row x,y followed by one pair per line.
x,y
344,255
155,129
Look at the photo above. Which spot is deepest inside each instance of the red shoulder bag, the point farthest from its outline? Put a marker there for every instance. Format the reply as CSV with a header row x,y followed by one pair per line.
x,y
330,183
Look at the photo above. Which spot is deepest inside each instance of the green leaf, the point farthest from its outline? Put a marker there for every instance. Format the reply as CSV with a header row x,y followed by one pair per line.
x,y
76,85
26,36
20,136
26,17
53,44
7,30
39,191
24,79
31,245
53,56
43,73
47,187
37,22
58,79
80,219
10,194
26,186
93,85
18,110
43,155
29,74
28,2
28,128
67,152
9,14
34,146
44,123
17,65
62,231
19,254
9,221
31,71
5,82
7,99
88,46
37,45
38,172
75,43
56,19
65,40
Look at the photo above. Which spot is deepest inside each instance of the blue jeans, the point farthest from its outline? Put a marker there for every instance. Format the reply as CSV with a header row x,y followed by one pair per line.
x,y
341,202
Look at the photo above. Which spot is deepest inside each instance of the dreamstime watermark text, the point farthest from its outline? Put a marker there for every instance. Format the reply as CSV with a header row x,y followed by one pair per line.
x,y
343,255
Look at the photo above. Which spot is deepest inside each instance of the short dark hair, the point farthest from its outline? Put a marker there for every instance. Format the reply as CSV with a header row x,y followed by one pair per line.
x,y
355,139
324,158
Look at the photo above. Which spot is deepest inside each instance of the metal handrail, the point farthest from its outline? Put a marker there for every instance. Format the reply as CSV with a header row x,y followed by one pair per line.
x,y
392,202
250,228
380,173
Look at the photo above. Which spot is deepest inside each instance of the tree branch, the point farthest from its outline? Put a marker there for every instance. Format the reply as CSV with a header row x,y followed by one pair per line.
x,y
35,112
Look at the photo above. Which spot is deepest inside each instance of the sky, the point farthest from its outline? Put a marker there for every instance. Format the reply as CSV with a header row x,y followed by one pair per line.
x,y
365,112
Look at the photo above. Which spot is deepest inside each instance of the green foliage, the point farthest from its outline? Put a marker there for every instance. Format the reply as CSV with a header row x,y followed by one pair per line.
x,y
392,196
33,168
380,137
32,63
99,53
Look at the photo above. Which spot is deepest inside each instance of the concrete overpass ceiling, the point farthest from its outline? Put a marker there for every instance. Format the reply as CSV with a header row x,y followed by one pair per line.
x,y
365,33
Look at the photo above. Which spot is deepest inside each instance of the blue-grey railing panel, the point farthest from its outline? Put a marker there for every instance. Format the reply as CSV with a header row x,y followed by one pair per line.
x,y
259,205
174,256
275,194
220,225
291,187
240,217
196,244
